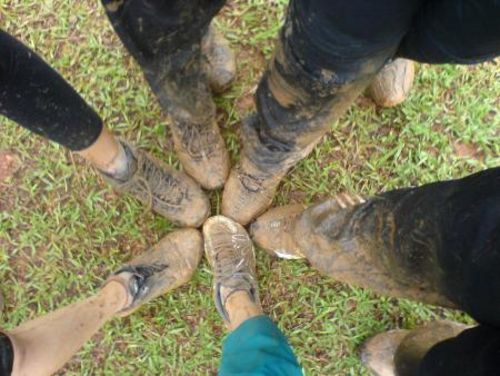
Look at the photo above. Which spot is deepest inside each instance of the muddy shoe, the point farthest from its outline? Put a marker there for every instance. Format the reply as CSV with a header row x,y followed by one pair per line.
x,y
167,191
202,152
400,352
220,65
273,231
248,192
231,255
166,266
392,84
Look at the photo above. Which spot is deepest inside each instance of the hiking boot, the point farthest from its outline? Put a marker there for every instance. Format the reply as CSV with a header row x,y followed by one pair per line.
x,y
220,64
166,266
248,192
392,84
202,152
273,231
400,352
357,242
231,255
166,191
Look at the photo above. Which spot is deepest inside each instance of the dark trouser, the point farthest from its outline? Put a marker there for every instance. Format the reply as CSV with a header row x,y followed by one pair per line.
x,y
439,239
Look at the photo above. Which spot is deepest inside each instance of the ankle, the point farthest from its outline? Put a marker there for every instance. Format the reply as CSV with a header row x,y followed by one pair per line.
x,y
240,307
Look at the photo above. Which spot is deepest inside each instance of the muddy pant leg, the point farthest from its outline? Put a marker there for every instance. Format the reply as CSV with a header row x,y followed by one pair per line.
x,y
475,351
439,243
257,347
164,37
39,99
454,31
327,54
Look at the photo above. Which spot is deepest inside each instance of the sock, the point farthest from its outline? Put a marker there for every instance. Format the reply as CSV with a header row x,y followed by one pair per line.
x,y
123,165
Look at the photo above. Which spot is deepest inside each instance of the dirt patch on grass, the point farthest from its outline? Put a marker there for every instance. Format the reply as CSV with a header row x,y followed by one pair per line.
x,y
9,165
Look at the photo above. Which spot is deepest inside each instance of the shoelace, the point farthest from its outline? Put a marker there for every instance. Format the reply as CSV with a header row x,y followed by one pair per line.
x,y
230,252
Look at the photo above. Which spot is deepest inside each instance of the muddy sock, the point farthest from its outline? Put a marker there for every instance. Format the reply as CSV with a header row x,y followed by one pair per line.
x,y
6,355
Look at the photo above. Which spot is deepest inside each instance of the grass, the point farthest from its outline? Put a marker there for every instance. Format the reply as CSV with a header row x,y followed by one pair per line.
x,y
62,230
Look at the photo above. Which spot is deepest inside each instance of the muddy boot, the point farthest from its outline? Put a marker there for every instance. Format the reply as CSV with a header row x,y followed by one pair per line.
x,y
373,244
392,84
400,352
166,266
220,62
168,49
168,192
231,255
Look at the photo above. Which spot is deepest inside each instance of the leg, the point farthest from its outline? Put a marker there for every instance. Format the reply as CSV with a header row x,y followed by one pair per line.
x,y
256,345
328,53
165,37
42,346
438,348
38,98
438,243
454,31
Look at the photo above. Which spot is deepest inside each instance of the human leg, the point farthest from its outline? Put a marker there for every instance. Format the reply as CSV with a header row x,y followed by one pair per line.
x,y
255,346
167,39
39,99
42,346
328,52
437,243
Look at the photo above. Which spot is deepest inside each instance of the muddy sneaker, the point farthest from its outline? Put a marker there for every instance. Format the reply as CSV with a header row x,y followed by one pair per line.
x,y
231,255
202,152
274,231
392,84
400,352
166,266
220,65
168,192
248,192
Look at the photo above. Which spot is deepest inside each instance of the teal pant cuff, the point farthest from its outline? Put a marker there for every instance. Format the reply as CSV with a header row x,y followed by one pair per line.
x,y
258,348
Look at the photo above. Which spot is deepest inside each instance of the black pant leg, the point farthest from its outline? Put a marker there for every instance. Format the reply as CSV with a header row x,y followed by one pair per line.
x,y
328,53
39,99
164,37
6,355
454,31
475,352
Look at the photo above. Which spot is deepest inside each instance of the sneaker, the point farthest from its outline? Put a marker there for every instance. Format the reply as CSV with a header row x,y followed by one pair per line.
x,y
166,191
392,84
231,255
167,265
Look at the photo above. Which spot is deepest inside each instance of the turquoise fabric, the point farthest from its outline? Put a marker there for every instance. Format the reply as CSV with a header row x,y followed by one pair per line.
x,y
258,348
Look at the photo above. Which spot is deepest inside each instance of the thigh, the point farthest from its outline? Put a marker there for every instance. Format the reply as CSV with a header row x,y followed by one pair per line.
x,y
454,31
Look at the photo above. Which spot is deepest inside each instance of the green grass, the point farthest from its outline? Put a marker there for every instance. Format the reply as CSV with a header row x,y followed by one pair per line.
x,y
62,230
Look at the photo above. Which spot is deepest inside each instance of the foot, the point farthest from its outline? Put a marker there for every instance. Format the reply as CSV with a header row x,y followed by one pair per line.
x,y
168,192
166,266
400,352
231,255
275,230
220,63
202,152
393,83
